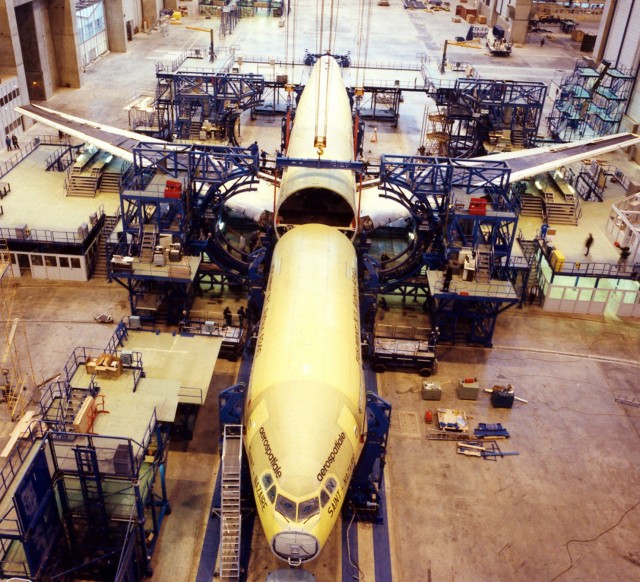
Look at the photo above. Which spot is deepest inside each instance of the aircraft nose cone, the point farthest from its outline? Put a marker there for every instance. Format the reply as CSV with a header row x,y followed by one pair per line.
x,y
295,546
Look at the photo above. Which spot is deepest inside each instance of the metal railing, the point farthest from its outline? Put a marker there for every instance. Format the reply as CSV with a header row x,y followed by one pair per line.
x,y
50,236
18,456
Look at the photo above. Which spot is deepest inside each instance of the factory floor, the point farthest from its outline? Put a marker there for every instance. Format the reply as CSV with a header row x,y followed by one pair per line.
x,y
566,507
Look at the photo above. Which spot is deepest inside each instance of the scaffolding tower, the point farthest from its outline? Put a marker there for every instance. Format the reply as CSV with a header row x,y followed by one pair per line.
x,y
477,107
16,367
435,132
591,101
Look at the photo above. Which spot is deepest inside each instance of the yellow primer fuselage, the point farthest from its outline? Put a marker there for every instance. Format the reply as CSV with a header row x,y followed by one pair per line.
x,y
305,411
305,408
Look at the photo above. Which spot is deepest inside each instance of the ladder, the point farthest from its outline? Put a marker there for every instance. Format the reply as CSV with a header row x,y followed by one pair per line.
x,y
147,243
90,484
230,515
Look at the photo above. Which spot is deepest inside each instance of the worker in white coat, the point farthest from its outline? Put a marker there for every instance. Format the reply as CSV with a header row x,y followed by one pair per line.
x,y
469,267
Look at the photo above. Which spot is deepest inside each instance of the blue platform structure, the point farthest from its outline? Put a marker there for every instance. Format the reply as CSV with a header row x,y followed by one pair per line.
x,y
458,207
475,107
165,237
82,505
199,100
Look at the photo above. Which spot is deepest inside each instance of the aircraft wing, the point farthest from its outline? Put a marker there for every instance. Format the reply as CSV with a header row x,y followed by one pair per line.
x,y
527,163
381,211
118,142
253,203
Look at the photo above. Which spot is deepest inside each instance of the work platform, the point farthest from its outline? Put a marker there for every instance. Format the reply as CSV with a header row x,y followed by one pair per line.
x,y
493,290
33,190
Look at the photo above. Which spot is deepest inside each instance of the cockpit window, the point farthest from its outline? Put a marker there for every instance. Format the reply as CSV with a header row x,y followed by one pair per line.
x,y
324,497
267,480
331,484
308,508
286,507
271,494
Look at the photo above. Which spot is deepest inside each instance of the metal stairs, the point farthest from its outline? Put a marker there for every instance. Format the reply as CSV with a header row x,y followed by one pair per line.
x,y
531,205
230,516
110,222
483,266
148,243
80,183
110,182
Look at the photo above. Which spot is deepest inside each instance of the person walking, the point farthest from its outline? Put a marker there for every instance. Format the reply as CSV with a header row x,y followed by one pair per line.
x,y
587,244
7,140
241,314
14,140
624,255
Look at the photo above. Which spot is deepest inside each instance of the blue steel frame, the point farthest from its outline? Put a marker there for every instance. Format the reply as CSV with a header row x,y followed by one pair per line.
x,y
184,96
201,170
425,186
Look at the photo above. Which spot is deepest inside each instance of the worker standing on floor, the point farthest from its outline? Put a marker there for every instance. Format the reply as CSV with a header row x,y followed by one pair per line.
x,y
587,244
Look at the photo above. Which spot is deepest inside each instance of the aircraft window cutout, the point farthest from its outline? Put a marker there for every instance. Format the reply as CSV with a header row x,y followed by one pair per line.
x,y
331,484
271,494
324,497
286,507
267,480
308,508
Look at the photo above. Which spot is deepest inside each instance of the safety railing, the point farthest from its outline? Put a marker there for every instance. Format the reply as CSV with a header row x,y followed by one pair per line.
x,y
61,390
403,332
18,455
14,571
51,236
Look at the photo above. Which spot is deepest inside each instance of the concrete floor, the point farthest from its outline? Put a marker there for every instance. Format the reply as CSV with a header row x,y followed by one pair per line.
x,y
566,508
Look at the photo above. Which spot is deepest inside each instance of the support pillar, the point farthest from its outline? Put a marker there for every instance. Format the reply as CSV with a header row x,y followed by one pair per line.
x,y
65,56
116,26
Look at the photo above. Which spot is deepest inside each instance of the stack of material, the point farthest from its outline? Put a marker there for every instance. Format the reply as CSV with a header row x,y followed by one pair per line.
x,y
452,420
491,431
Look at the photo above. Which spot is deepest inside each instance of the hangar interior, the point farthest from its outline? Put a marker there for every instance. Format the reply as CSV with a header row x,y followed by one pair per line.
x,y
134,286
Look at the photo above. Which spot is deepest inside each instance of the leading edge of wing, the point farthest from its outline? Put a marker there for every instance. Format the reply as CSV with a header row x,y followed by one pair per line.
x,y
527,163
116,141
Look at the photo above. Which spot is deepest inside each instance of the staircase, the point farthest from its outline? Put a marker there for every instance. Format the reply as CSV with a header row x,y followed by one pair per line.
x,y
562,213
110,183
529,250
230,516
483,266
516,138
531,205
82,184
194,130
148,243
100,269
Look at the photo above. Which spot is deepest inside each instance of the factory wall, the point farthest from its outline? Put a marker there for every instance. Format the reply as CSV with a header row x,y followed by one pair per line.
x,y
64,56
10,96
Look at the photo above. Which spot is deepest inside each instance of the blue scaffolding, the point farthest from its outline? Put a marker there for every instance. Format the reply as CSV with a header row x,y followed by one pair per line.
x,y
166,235
458,207
86,506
